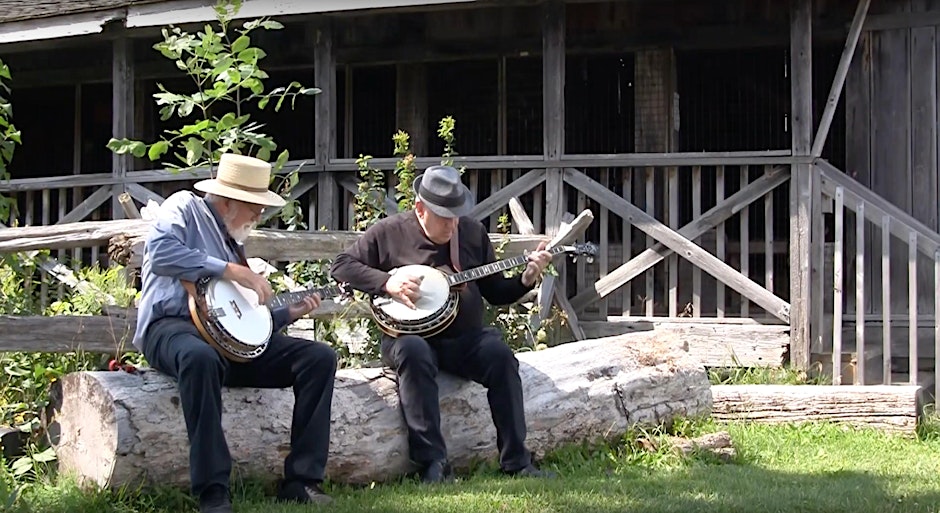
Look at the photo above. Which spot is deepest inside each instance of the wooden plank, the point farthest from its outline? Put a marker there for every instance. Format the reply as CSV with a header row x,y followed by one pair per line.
x,y
143,194
860,226
902,20
518,187
936,334
673,259
912,305
892,408
835,92
745,240
88,206
923,150
696,213
553,110
715,216
128,206
627,249
712,344
519,216
886,294
769,240
684,247
65,333
891,136
801,107
837,287
720,239
650,200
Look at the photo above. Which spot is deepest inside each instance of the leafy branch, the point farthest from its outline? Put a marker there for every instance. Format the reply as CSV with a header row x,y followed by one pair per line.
x,y
9,138
224,67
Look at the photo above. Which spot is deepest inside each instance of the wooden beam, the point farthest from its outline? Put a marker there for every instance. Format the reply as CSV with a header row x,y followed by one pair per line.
x,y
520,217
801,99
88,206
835,92
518,187
325,122
681,245
697,227
122,112
553,109
143,194
902,20
889,407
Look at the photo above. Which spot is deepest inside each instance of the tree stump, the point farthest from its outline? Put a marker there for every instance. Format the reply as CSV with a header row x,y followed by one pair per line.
x,y
116,428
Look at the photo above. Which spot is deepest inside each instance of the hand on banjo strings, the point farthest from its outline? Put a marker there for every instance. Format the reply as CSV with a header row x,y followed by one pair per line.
x,y
405,287
249,279
302,308
538,261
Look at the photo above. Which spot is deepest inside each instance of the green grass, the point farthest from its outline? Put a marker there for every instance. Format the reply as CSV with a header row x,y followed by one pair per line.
x,y
811,468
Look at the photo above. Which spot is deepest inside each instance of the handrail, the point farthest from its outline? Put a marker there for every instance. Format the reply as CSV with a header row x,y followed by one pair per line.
x,y
732,158
876,208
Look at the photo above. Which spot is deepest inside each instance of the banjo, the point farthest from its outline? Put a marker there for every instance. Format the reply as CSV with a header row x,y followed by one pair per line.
x,y
230,319
436,309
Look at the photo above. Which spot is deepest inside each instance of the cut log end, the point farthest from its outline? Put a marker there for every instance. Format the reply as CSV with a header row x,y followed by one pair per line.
x,y
117,429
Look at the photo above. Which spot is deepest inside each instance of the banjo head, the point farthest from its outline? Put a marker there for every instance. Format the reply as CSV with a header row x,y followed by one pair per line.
x,y
434,294
236,309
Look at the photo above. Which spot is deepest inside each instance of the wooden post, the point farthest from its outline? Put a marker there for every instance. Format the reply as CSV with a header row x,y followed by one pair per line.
x,y
325,79
122,112
411,99
553,110
801,93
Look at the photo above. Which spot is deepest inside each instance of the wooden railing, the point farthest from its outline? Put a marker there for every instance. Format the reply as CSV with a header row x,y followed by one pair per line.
x,y
673,188
866,227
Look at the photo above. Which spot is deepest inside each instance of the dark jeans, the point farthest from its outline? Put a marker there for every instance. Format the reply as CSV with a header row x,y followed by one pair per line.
x,y
482,357
173,346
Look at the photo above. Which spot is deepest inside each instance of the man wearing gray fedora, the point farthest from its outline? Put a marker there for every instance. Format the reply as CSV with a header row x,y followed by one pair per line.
x,y
199,237
438,233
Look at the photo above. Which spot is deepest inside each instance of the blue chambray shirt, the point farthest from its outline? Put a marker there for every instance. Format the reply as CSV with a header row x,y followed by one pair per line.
x,y
187,241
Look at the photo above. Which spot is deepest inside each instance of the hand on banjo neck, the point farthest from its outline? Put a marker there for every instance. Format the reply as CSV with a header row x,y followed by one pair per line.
x,y
249,279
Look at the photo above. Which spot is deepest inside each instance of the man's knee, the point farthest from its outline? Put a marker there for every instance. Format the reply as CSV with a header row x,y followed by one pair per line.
x,y
318,355
412,348
200,358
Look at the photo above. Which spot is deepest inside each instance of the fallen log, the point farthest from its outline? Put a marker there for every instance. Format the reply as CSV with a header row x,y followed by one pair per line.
x,y
115,428
888,407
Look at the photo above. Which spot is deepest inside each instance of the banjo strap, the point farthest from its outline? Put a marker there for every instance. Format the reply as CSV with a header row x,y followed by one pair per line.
x,y
455,255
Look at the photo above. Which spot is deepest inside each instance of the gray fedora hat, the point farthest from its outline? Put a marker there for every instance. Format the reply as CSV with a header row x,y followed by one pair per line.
x,y
441,190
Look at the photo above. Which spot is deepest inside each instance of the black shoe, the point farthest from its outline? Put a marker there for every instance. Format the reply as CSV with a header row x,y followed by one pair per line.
x,y
215,499
304,493
438,471
531,471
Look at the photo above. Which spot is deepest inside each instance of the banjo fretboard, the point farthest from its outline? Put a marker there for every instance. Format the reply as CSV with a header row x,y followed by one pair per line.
x,y
495,267
289,298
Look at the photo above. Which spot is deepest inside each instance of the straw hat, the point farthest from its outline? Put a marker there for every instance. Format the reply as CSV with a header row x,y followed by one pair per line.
x,y
441,190
242,178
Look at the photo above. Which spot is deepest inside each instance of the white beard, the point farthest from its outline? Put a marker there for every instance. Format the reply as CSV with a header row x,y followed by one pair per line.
x,y
241,233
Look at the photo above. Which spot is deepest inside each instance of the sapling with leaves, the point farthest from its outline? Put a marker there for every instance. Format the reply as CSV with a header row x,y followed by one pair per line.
x,y
9,138
224,65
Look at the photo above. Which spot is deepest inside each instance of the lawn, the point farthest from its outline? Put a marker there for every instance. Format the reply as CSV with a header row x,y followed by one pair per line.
x,y
808,468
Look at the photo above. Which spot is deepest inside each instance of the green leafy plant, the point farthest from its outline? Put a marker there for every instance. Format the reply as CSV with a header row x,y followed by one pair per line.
x,y
225,68
9,138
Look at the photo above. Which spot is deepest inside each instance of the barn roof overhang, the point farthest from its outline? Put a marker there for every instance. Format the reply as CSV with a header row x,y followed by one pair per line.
x,y
21,23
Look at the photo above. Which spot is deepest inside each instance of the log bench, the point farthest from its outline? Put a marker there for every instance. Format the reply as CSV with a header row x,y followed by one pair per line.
x,y
114,428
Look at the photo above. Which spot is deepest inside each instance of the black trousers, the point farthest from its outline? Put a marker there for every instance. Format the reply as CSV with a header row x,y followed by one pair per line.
x,y
173,346
482,357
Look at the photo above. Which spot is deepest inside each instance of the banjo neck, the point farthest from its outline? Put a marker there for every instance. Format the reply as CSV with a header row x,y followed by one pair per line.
x,y
495,267
289,298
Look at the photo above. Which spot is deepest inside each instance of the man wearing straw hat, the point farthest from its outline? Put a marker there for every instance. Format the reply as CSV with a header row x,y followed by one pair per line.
x,y
439,233
197,237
